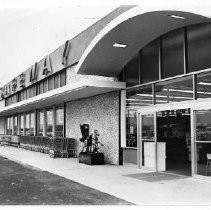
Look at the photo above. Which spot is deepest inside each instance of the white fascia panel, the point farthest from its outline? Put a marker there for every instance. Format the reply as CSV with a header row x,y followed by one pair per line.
x,y
78,90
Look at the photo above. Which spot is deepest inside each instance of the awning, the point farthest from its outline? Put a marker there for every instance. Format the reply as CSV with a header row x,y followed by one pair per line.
x,y
135,29
78,90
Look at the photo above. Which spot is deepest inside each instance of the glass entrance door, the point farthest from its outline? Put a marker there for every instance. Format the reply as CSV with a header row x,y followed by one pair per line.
x,y
202,142
148,141
165,141
173,136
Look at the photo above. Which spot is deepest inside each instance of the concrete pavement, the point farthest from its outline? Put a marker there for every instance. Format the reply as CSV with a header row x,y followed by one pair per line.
x,y
121,181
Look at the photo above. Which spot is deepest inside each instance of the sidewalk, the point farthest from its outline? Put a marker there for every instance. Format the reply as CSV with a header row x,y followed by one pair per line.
x,y
120,181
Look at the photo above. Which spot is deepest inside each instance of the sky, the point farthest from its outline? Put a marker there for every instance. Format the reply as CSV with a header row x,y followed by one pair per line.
x,y
31,29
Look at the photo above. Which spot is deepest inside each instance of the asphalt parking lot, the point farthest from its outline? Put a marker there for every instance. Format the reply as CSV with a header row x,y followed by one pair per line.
x,y
25,185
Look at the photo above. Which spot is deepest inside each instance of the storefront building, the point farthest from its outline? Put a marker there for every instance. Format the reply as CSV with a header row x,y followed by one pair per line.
x,y
141,76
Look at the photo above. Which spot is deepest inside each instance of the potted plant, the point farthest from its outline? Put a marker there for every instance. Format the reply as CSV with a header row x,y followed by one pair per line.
x,y
90,152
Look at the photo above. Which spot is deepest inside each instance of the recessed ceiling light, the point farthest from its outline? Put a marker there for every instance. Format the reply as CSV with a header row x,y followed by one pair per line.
x,y
119,45
177,17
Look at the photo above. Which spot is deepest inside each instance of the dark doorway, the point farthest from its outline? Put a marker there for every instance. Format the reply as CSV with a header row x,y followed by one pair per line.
x,y
173,128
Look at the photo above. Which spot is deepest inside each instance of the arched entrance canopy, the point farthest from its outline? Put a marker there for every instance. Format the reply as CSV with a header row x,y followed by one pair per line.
x,y
135,29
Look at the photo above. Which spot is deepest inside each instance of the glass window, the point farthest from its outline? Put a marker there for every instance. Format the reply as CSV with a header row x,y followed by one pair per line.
x,y
199,47
49,122
21,124
150,62
203,141
131,128
27,125
40,88
122,76
204,85
31,91
50,83
14,99
15,125
56,81
62,78
24,94
7,101
45,86
9,126
139,97
147,129
132,72
59,122
40,123
27,93
19,96
11,99
173,129
32,124
175,90
172,53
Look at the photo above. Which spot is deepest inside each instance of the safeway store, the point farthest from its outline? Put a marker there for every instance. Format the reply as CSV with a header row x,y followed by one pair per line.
x,y
141,76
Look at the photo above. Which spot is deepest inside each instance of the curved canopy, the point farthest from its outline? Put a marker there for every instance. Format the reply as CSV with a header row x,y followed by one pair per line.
x,y
135,29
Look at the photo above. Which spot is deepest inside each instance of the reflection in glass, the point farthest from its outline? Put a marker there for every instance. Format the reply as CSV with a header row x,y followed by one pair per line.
x,y
45,85
56,81
9,126
32,122
50,83
131,128
132,72
40,88
49,122
199,47
148,144
172,53
204,85
139,97
15,125
150,62
203,141
27,125
21,124
148,127
59,122
62,78
40,123
202,153
176,90
173,128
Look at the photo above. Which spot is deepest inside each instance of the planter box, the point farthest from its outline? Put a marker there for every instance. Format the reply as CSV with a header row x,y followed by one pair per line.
x,y
91,158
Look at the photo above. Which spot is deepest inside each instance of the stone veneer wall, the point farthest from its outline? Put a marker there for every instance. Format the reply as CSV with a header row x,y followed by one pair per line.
x,y
101,112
